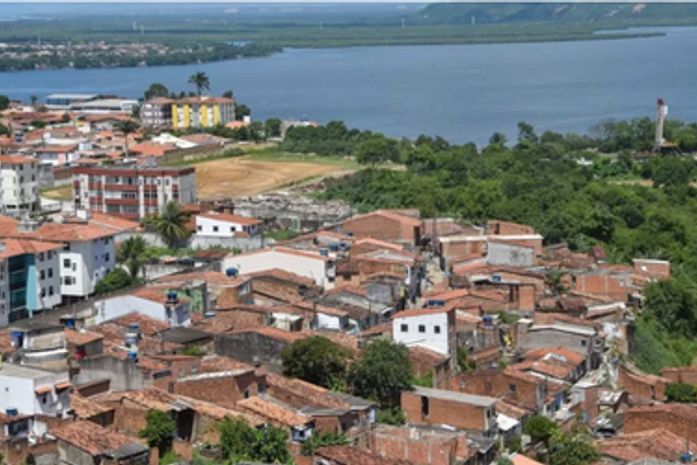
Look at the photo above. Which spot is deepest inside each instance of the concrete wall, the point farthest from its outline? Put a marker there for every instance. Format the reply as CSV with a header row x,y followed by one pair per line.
x,y
252,348
124,374
429,339
310,267
444,412
499,253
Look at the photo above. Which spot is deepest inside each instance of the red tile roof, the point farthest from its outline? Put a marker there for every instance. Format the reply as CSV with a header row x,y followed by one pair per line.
x,y
346,455
90,437
658,444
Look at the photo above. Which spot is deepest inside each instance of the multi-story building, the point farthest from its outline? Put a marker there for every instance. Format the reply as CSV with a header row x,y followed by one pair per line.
x,y
202,112
156,113
189,112
29,278
132,192
18,185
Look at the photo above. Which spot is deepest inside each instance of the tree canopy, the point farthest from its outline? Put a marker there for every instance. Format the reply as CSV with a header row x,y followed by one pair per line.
x,y
159,430
382,372
316,360
239,441
201,81
156,89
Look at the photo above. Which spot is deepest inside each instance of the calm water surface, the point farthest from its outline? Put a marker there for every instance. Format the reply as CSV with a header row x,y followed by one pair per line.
x,y
462,92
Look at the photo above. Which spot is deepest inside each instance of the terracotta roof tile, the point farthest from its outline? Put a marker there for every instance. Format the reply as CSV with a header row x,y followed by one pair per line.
x,y
92,438
274,411
230,218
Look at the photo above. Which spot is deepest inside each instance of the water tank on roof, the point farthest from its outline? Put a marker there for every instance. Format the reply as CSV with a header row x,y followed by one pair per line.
x,y
70,323
488,320
435,303
324,252
496,278
11,412
231,272
171,296
334,247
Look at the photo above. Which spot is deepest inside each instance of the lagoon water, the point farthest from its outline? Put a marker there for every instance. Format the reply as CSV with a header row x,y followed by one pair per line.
x,y
462,92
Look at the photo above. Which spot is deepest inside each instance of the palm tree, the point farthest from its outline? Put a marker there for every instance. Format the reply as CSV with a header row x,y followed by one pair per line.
x,y
171,224
201,81
131,255
127,127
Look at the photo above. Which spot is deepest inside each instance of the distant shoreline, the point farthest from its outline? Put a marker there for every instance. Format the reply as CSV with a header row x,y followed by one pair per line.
x,y
384,42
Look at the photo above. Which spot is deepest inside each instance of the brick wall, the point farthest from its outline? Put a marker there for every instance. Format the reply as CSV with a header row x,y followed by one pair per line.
x,y
456,414
418,449
642,386
225,391
602,284
680,374
646,418
495,383
497,227
381,228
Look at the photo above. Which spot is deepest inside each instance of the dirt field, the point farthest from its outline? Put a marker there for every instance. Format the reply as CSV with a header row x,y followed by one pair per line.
x,y
58,193
234,177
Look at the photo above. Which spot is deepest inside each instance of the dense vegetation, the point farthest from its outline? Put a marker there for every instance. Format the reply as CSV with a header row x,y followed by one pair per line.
x,y
605,188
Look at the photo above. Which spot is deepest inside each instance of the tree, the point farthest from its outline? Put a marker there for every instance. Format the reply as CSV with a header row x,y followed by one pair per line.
x,y
464,362
317,440
272,127
171,224
4,102
241,110
239,441
498,139
575,449
156,90
131,253
126,127
236,439
681,392
377,149
382,372
526,133
540,429
4,130
229,94
200,80
271,446
255,131
673,304
159,430
316,360
116,279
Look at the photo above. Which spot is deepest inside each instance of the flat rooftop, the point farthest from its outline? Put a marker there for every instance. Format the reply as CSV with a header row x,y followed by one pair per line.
x,y
21,371
480,401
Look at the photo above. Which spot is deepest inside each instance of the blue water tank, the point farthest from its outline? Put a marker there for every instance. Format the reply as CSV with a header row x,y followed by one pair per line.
x,y
231,272
496,278
171,296
488,320
324,252
70,323
11,412
134,327
334,247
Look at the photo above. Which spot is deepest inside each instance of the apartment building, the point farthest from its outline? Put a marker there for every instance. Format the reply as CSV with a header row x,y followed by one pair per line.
x,y
202,112
29,278
18,185
132,192
156,113
189,112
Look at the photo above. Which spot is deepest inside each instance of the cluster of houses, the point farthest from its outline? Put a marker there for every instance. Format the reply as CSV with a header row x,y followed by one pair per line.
x,y
502,327
499,326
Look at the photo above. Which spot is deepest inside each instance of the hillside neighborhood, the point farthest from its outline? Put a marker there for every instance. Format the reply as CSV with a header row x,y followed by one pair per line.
x,y
142,324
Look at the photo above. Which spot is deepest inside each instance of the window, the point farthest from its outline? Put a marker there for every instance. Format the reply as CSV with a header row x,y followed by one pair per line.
x,y
424,406
43,292
106,257
50,290
42,274
50,272
66,263
436,329
41,257
261,388
199,228
583,342
215,229
68,280
232,229
422,328
49,254
246,394
404,328
512,388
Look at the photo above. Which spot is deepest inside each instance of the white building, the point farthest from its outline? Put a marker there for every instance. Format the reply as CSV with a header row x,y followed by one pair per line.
x,y
107,105
315,265
31,391
18,185
158,303
29,278
88,250
430,328
132,192
225,225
